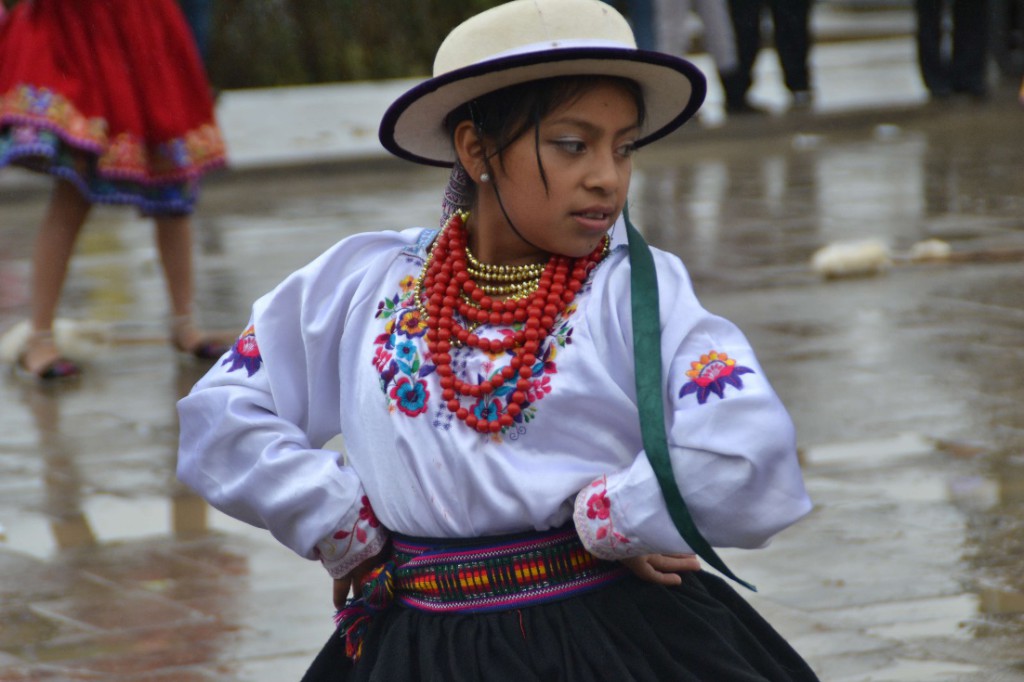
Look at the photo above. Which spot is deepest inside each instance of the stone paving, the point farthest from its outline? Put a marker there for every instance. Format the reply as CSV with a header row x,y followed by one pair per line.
x,y
905,388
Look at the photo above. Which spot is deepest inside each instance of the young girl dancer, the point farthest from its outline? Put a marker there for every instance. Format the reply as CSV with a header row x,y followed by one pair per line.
x,y
110,98
499,508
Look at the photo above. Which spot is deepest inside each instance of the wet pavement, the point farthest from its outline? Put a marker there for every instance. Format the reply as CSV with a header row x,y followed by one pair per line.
x,y
906,388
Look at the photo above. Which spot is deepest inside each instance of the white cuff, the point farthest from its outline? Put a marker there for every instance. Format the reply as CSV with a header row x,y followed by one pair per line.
x,y
595,523
352,543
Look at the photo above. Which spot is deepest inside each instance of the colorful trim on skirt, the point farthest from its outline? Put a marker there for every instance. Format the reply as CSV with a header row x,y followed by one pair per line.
x,y
40,130
496,574
43,151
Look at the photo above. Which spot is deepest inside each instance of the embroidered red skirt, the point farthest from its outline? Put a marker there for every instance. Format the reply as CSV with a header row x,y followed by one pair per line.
x,y
110,95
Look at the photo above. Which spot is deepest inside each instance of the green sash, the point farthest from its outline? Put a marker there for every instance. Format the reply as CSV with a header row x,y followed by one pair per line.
x,y
647,357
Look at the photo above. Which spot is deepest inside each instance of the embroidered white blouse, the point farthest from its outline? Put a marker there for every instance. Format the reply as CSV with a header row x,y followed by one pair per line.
x,y
339,348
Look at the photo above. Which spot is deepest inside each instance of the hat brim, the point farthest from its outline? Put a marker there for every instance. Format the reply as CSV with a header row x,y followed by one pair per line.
x,y
413,126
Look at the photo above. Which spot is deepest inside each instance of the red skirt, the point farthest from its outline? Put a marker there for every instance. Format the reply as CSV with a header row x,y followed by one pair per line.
x,y
110,95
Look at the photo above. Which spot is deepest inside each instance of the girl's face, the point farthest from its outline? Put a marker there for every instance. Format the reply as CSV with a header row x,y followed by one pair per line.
x,y
585,148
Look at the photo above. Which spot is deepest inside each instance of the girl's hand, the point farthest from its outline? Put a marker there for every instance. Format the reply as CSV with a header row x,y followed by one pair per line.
x,y
356,576
661,569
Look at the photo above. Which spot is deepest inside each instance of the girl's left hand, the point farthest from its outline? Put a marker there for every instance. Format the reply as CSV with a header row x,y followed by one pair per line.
x,y
662,569
356,578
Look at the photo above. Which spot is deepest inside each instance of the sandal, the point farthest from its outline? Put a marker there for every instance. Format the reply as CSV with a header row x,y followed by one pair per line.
x,y
57,368
190,345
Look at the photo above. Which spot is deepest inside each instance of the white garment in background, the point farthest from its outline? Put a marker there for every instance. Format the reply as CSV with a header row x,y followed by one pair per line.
x,y
673,30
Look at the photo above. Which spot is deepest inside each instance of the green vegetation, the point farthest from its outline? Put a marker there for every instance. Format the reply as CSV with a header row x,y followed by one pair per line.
x,y
261,43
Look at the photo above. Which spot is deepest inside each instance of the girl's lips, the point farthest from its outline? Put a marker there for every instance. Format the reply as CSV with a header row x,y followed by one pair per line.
x,y
598,221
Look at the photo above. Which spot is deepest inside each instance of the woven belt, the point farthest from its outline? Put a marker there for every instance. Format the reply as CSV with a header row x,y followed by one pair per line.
x,y
520,571
494,574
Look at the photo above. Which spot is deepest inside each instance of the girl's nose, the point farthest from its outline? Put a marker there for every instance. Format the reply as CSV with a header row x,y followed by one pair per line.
x,y
605,171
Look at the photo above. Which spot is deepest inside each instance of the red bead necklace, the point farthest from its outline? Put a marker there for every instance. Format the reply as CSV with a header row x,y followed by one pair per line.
x,y
446,288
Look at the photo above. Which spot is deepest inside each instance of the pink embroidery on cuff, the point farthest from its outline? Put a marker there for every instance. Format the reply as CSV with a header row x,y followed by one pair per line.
x,y
599,508
343,542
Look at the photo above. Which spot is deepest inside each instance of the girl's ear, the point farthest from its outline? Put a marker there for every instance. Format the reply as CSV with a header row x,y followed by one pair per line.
x,y
470,149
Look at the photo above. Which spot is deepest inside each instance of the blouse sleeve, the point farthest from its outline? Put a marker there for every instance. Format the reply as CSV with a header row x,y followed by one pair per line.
x,y
731,442
253,429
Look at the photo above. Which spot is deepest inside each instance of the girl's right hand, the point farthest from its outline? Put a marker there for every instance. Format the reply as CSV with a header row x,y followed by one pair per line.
x,y
662,569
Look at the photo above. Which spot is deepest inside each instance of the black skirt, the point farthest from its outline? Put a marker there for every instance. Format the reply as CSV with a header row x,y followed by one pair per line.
x,y
700,631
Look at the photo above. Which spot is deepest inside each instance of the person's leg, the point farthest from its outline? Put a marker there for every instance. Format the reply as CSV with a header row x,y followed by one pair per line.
x,y
174,242
198,15
791,24
55,242
671,34
970,46
746,22
719,37
934,70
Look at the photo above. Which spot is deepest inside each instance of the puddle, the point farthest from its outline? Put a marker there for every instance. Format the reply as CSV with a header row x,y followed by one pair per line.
x,y
916,671
951,610
105,519
997,602
907,632
869,453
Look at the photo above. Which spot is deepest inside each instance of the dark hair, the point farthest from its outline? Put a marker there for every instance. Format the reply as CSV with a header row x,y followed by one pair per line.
x,y
506,115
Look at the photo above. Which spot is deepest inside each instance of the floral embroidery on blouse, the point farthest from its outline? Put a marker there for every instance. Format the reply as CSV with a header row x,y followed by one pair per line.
x,y
397,358
403,366
245,353
490,407
712,374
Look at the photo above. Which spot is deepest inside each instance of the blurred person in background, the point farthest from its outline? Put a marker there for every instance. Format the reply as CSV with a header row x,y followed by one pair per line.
x,y
791,26
953,62
640,14
641,17
111,99
198,14
719,39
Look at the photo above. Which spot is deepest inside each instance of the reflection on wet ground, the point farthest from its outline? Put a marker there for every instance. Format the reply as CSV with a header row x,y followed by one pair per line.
x,y
906,389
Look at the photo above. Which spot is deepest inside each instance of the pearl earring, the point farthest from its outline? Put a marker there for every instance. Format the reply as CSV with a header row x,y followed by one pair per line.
x,y
485,177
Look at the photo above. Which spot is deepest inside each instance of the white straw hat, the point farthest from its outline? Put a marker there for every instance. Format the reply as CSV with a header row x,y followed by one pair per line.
x,y
527,40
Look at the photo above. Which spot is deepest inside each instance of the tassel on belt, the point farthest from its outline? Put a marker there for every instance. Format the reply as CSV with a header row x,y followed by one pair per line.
x,y
494,574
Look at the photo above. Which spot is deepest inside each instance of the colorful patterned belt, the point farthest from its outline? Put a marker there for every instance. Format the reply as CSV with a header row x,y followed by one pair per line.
x,y
519,571
493,574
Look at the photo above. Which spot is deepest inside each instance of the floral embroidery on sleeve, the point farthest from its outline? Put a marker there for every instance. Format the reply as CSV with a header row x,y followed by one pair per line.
x,y
245,353
712,374
346,548
593,520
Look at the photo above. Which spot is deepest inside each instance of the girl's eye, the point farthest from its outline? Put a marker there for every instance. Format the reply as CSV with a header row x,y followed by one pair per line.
x,y
572,146
627,149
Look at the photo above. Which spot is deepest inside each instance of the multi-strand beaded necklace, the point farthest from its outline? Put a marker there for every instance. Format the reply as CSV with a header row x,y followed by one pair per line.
x,y
454,282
